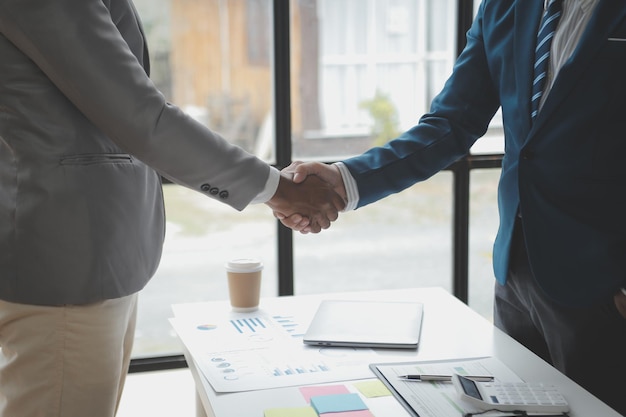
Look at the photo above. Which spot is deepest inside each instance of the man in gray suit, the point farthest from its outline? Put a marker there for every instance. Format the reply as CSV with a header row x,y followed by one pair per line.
x,y
84,140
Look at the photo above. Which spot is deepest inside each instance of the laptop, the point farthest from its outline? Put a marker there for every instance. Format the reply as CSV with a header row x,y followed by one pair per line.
x,y
370,324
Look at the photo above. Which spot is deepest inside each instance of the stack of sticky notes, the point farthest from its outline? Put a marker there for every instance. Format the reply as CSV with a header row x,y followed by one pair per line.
x,y
340,405
333,401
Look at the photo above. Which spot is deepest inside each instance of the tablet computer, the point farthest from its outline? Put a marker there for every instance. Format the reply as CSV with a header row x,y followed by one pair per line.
x,y
371,324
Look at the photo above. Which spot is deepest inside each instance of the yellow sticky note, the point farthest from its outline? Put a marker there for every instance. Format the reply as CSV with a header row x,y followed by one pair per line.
x,y
371,389
291,412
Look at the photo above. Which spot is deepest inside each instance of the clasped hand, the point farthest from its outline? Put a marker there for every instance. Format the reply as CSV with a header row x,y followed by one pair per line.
x,y
309,196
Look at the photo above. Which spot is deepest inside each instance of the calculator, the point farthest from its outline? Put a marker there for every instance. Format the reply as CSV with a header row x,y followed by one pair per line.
x,y
510,396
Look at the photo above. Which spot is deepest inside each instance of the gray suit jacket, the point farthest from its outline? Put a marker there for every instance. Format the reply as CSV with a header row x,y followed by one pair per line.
x,y
84,135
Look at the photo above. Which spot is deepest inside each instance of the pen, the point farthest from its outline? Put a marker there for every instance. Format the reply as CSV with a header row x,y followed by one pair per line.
x,y
423,377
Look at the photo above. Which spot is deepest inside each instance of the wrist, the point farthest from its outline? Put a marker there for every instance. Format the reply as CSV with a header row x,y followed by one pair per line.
x,y
279,196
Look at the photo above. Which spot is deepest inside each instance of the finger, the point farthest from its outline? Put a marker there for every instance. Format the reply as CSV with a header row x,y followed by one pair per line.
x,y
302,223
322,221
296,227
303,170
287,224
295,218
295,221
292,166
339,203
332,215
314,227
335,205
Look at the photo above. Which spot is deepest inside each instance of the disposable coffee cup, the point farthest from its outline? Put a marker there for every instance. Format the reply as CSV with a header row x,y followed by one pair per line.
x,y
244,283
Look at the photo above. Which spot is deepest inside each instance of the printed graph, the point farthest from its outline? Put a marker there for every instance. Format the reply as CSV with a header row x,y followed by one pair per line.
x,y
248,325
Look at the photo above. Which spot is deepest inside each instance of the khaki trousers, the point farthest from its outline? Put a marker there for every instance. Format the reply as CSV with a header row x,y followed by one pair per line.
x,y
68,361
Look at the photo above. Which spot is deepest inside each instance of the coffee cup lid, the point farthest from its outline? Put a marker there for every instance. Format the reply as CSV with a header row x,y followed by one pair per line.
x,y
244,265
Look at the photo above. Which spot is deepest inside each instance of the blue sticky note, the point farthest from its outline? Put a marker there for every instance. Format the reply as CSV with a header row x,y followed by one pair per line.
x,y
337,403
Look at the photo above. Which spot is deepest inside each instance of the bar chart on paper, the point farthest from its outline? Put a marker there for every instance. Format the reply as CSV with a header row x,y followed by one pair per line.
x,y
291,370
248,325
263,350
290,325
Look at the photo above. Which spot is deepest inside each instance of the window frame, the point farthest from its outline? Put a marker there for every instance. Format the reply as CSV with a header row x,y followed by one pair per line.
x,y
283,144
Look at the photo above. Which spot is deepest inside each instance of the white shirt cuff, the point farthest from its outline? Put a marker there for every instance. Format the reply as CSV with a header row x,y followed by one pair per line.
x,y
352,191
271,185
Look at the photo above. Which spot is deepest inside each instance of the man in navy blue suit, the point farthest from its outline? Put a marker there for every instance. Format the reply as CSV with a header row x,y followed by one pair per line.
x,y
560,251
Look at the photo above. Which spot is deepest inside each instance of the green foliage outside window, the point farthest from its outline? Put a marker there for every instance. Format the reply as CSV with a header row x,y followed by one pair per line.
x,y
385,117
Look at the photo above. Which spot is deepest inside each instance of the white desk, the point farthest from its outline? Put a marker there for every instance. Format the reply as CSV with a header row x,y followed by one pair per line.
x,y
450,330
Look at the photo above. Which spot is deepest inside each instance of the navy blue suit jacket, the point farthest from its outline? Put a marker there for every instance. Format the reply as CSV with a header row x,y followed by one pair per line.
x,y
565,171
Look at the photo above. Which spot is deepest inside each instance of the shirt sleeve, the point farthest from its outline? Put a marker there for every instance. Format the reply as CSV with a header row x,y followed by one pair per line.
x,y
271,185
349,183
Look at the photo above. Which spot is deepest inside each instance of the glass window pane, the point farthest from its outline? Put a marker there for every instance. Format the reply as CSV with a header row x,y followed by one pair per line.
x,y
202,235
346,99
340,40
439,35
358,97
396,32
365,70
493,141
437,72
404,240
484,219
483,227
211,58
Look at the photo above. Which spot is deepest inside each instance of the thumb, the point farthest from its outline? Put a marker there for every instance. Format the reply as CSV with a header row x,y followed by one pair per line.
x,y
303,170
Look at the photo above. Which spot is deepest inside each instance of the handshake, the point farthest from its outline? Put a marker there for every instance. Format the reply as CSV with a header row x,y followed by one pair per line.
x,y
309,196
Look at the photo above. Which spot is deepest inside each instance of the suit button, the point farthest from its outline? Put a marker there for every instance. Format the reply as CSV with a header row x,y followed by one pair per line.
x,y
214,191
205,187
223,195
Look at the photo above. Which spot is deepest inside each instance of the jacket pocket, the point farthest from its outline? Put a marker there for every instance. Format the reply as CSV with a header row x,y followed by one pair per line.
x,y
93,159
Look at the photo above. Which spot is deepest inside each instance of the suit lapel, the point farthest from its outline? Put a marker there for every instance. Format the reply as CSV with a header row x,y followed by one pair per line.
x,y
527,15
606,17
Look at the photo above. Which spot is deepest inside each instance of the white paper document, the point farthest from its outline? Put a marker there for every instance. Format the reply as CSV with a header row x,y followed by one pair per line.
x,y
438,399
261,350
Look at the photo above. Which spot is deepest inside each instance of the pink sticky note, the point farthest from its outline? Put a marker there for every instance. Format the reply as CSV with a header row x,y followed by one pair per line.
x,y
316,391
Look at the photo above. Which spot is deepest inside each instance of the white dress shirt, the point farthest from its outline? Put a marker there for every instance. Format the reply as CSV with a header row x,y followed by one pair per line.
x,y
271,185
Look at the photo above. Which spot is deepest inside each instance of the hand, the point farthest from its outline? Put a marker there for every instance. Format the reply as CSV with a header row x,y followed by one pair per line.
x,y
328,173
310,206
299,172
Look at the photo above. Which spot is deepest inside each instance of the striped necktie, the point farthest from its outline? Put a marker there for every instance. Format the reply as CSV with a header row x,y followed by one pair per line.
x,y
542,52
